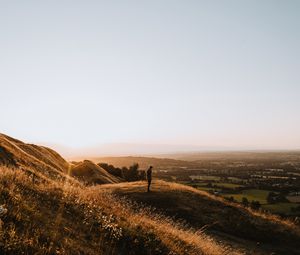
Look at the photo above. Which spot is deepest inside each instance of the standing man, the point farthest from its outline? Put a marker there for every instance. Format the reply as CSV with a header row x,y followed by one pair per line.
x,y
149,177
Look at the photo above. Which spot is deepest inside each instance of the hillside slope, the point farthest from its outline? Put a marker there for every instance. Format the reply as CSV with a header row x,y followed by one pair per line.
x,y
54,213
43,210
45,164
38,160
65,218
90,173
255,232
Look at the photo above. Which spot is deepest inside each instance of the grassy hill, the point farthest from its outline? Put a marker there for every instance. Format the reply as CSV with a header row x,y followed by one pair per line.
x,y
47,208
90,173
70,218
43,210
40,161
254,231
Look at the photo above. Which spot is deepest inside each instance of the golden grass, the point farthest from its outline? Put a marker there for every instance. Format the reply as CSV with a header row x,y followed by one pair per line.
x,y
203,210
90,173
29,156
65,217
163,186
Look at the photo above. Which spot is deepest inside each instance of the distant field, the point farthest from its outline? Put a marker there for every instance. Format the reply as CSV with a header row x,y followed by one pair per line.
x,y
205,177
280,207
238,155
294,199
228,185
258,195
251,194
218,184
208,189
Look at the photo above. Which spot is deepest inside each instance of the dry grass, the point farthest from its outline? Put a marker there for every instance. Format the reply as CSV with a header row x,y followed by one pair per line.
x,y
44,161
49,212
65,217
200,209
167,186
90,173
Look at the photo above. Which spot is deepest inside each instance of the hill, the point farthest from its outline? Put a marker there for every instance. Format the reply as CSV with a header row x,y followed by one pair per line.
x,y
47,208
45,164
70,218
45,211
251,231
40,161
90,173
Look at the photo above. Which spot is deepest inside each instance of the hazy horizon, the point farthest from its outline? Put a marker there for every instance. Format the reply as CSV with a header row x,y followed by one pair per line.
x,y
151,150
174,75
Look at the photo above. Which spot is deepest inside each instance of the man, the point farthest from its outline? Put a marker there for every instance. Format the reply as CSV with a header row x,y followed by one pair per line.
x,y
149,177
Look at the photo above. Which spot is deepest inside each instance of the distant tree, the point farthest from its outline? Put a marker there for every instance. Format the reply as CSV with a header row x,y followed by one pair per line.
x,y
132,173
103,165
276,198
271,198
112,170
129,174
231,199
245,201
282,197
255,205
125,171
142,175
295,209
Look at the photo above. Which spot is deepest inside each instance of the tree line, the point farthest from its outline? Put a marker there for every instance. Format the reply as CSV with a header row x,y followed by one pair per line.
x,y
131,174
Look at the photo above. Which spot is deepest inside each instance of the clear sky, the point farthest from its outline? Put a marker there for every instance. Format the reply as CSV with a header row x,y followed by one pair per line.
x,y
201,73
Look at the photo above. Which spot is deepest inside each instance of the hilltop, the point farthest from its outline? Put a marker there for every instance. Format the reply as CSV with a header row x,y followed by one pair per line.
x,y
52,206
90,173
40,161
54,213
43,163
251,231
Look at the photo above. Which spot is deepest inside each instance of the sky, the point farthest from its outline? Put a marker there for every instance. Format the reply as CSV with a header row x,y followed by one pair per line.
x,y
185,74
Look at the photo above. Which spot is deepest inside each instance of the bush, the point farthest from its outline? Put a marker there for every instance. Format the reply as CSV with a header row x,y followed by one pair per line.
x,y
245,201
255,205
118,172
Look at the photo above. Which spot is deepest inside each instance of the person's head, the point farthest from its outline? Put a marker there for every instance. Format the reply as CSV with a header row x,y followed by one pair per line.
x,y
150,168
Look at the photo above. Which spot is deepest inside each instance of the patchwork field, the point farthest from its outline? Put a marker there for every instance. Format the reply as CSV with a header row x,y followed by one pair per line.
x,y
251,194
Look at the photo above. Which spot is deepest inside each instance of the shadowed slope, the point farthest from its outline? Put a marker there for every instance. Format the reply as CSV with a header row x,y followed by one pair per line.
x,y
221,218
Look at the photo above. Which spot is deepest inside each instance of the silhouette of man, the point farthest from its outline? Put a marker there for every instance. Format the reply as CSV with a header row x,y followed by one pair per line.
x,y
149,177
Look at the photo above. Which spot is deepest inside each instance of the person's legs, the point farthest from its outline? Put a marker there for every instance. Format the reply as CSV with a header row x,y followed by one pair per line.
x,y
149,183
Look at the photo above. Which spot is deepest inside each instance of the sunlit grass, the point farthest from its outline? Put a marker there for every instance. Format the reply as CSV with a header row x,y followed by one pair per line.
x,y
65,217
